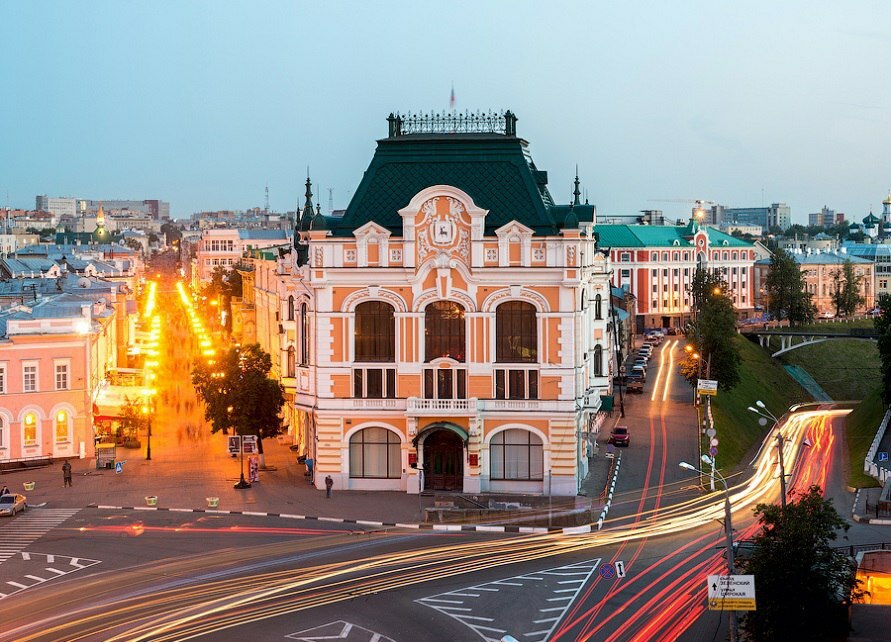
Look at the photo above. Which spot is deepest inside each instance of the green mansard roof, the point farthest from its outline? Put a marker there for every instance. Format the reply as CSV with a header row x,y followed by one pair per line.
x,y
660,236
495,169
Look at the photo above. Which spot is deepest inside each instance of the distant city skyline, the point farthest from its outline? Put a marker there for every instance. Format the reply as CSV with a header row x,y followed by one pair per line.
x,y
205,104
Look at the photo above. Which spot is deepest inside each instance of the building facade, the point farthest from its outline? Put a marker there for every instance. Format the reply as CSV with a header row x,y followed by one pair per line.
x,y
657,264
776,215
452,328
225,247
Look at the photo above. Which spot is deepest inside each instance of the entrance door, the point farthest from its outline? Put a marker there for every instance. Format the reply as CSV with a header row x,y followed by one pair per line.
x,y
443,461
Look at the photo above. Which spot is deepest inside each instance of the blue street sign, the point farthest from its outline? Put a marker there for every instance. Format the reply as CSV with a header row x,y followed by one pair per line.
x,y
119,467
607,571
883,456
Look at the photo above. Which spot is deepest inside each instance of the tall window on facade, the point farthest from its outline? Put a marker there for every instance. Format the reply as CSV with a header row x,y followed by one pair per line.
x,y
61,426
291,308
2,378
516,341
29,429
444,331
291,362
3,438
375,453
375,332
516,334
516,455
598,307
304,335
598,360
29,377
61,376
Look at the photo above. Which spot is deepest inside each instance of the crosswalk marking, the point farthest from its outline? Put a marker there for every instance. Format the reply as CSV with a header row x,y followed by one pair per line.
x,y
538,610
29,527
68,564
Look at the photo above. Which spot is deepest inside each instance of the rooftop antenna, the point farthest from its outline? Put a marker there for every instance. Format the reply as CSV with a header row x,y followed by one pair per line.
x,y
267,197
330,200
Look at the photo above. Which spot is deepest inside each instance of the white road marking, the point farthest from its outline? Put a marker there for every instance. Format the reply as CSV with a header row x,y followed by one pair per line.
x,y
29,527
529,590
76,564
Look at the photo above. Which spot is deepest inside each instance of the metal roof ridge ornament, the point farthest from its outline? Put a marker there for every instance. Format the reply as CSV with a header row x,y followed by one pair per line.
x,y
478,122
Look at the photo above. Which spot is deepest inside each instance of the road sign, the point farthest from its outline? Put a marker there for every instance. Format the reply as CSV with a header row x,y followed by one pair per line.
x,y
119,467
707,387
620,568
711,432
713,451
607,571
731,592
714,442
883,456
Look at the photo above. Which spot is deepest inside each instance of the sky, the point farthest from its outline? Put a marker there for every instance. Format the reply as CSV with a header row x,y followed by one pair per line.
x,y
204,104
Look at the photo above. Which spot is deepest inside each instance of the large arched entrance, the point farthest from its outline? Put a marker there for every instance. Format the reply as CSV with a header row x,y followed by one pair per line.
x,y
443,461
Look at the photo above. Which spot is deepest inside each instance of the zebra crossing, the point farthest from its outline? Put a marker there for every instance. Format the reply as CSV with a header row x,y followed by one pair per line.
x,y
19,532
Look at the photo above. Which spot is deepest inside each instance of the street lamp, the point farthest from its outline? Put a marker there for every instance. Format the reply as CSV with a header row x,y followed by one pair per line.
x,y
728,530
766,414
148,411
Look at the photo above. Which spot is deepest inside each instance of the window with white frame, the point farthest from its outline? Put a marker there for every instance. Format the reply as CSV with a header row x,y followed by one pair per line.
x,y
29,376
29,429
374,383
61,427
4,439
2,378
516,455
375,453
62,378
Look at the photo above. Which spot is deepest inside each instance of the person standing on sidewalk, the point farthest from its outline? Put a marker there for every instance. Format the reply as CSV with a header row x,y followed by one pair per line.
x,y
66,474
329,484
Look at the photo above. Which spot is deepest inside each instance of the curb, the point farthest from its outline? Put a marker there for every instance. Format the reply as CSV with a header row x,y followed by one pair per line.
x,y
609,497
479,528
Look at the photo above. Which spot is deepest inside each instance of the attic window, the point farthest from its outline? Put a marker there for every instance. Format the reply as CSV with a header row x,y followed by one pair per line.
x,y
724,242
675,242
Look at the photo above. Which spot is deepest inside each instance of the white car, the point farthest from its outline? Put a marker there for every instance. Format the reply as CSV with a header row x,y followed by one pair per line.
x,y
12,504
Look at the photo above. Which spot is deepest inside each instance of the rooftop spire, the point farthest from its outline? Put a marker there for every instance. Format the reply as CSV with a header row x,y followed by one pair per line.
x,y
576,193
306,216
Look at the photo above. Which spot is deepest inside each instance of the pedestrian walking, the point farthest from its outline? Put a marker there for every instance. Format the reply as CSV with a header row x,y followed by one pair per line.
x,y
66,474
329,484
4,490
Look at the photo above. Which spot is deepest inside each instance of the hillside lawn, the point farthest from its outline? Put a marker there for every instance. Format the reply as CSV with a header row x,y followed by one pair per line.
x,y
860,429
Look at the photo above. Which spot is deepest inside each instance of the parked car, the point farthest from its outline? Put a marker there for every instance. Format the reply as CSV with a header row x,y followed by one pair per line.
x,y
635,387
640,371
827,315
633,378
619,436
641,361
12,504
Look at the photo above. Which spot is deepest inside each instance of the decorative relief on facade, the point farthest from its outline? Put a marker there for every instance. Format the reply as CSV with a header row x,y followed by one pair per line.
x,y
570,255
423,245
395,256
350,256
538,254
492,254
456,207
496,298
464,245
319,258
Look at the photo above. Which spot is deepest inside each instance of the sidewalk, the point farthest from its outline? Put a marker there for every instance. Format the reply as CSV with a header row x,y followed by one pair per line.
x,y
868,497
184,476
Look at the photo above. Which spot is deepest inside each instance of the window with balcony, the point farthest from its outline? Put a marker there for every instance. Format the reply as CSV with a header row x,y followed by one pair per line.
x,y
375,453
375,334
516,332
516,455
374,383
516,383
445,383
444,331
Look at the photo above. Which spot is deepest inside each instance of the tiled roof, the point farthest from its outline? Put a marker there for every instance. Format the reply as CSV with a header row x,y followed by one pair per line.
x,y
495,170
821,258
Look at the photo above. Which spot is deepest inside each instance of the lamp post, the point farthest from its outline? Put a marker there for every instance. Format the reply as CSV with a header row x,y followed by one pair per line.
x,y
761,411
728,532
242,482
149,410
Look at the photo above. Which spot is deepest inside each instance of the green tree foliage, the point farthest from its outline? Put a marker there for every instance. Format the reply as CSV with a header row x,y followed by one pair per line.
x,y
882,325
803,586
787,296
171,233
238,393
710,334
845,289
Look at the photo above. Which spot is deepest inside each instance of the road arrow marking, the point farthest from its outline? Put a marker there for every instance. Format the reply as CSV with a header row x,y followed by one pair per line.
x,y
339,630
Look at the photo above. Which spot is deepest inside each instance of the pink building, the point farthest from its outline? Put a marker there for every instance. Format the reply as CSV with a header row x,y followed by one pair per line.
x,y
53,355
225,247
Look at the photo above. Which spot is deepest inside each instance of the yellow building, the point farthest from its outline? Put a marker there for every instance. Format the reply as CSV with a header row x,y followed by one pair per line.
x,y
451,331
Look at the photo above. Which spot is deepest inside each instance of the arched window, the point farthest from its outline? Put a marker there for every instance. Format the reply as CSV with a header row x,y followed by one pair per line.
x,y
4,439
516,334
29,429
598,306
291,308
516,454
584,298
444,331
291,364
375,337
597,357
304,335
375,453
61,427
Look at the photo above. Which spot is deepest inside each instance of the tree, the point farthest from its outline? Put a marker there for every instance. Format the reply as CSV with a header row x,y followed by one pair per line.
x,y
711,332
787,295
793,546
171,233
238,393
846,289
882,325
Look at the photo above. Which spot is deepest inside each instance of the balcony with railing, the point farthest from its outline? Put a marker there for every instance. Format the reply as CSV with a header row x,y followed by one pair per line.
x,y
526,405
427,407
362,404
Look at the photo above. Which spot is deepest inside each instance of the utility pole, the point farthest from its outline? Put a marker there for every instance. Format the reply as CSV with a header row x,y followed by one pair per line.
x,y
780,443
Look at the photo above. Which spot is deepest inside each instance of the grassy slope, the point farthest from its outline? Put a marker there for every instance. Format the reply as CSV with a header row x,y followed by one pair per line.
x,y
762,378
861,426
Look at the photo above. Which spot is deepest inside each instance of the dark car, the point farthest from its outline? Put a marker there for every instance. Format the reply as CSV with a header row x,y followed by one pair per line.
x,y
633,377
635,387
619,436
